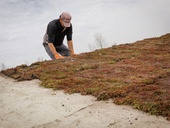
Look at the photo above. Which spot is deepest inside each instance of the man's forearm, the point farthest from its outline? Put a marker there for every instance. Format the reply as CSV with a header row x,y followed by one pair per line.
x,y
52,48
70,46
54,52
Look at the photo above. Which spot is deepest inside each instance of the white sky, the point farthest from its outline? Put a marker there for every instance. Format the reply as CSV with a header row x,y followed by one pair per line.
x,y
23,24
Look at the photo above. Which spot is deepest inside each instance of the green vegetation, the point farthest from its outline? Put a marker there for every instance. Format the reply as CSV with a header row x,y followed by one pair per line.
x,y
136,74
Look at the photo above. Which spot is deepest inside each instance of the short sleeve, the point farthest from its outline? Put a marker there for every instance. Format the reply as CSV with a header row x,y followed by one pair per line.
x,y
51,33
69,34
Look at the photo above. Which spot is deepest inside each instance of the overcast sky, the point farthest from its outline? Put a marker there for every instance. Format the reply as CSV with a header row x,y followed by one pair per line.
x,y
23,24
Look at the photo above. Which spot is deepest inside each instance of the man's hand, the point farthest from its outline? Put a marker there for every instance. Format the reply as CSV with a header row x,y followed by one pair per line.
x,y
57,56
74,55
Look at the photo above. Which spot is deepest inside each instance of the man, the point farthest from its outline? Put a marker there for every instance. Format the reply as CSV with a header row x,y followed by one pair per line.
x,y
55,33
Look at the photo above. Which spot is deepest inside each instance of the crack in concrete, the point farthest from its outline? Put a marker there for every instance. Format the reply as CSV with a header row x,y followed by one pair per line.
x,y
78,110
49,124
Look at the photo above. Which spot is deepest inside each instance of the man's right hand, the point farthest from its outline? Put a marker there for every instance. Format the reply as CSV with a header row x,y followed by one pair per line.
x,y
57,56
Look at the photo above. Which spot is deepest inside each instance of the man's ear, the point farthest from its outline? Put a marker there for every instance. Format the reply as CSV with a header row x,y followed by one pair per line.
x,y
60,21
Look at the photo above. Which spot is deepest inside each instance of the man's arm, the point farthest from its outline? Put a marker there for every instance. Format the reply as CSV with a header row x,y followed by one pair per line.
x,y
70,46
54,52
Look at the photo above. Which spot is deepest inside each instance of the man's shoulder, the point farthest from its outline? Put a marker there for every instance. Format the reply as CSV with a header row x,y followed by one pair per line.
x,y
54,23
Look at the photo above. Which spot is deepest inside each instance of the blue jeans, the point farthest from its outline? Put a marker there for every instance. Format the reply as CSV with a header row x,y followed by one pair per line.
x,y
62,50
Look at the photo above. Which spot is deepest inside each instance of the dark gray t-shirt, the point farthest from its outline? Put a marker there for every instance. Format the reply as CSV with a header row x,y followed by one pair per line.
x,y
55,33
